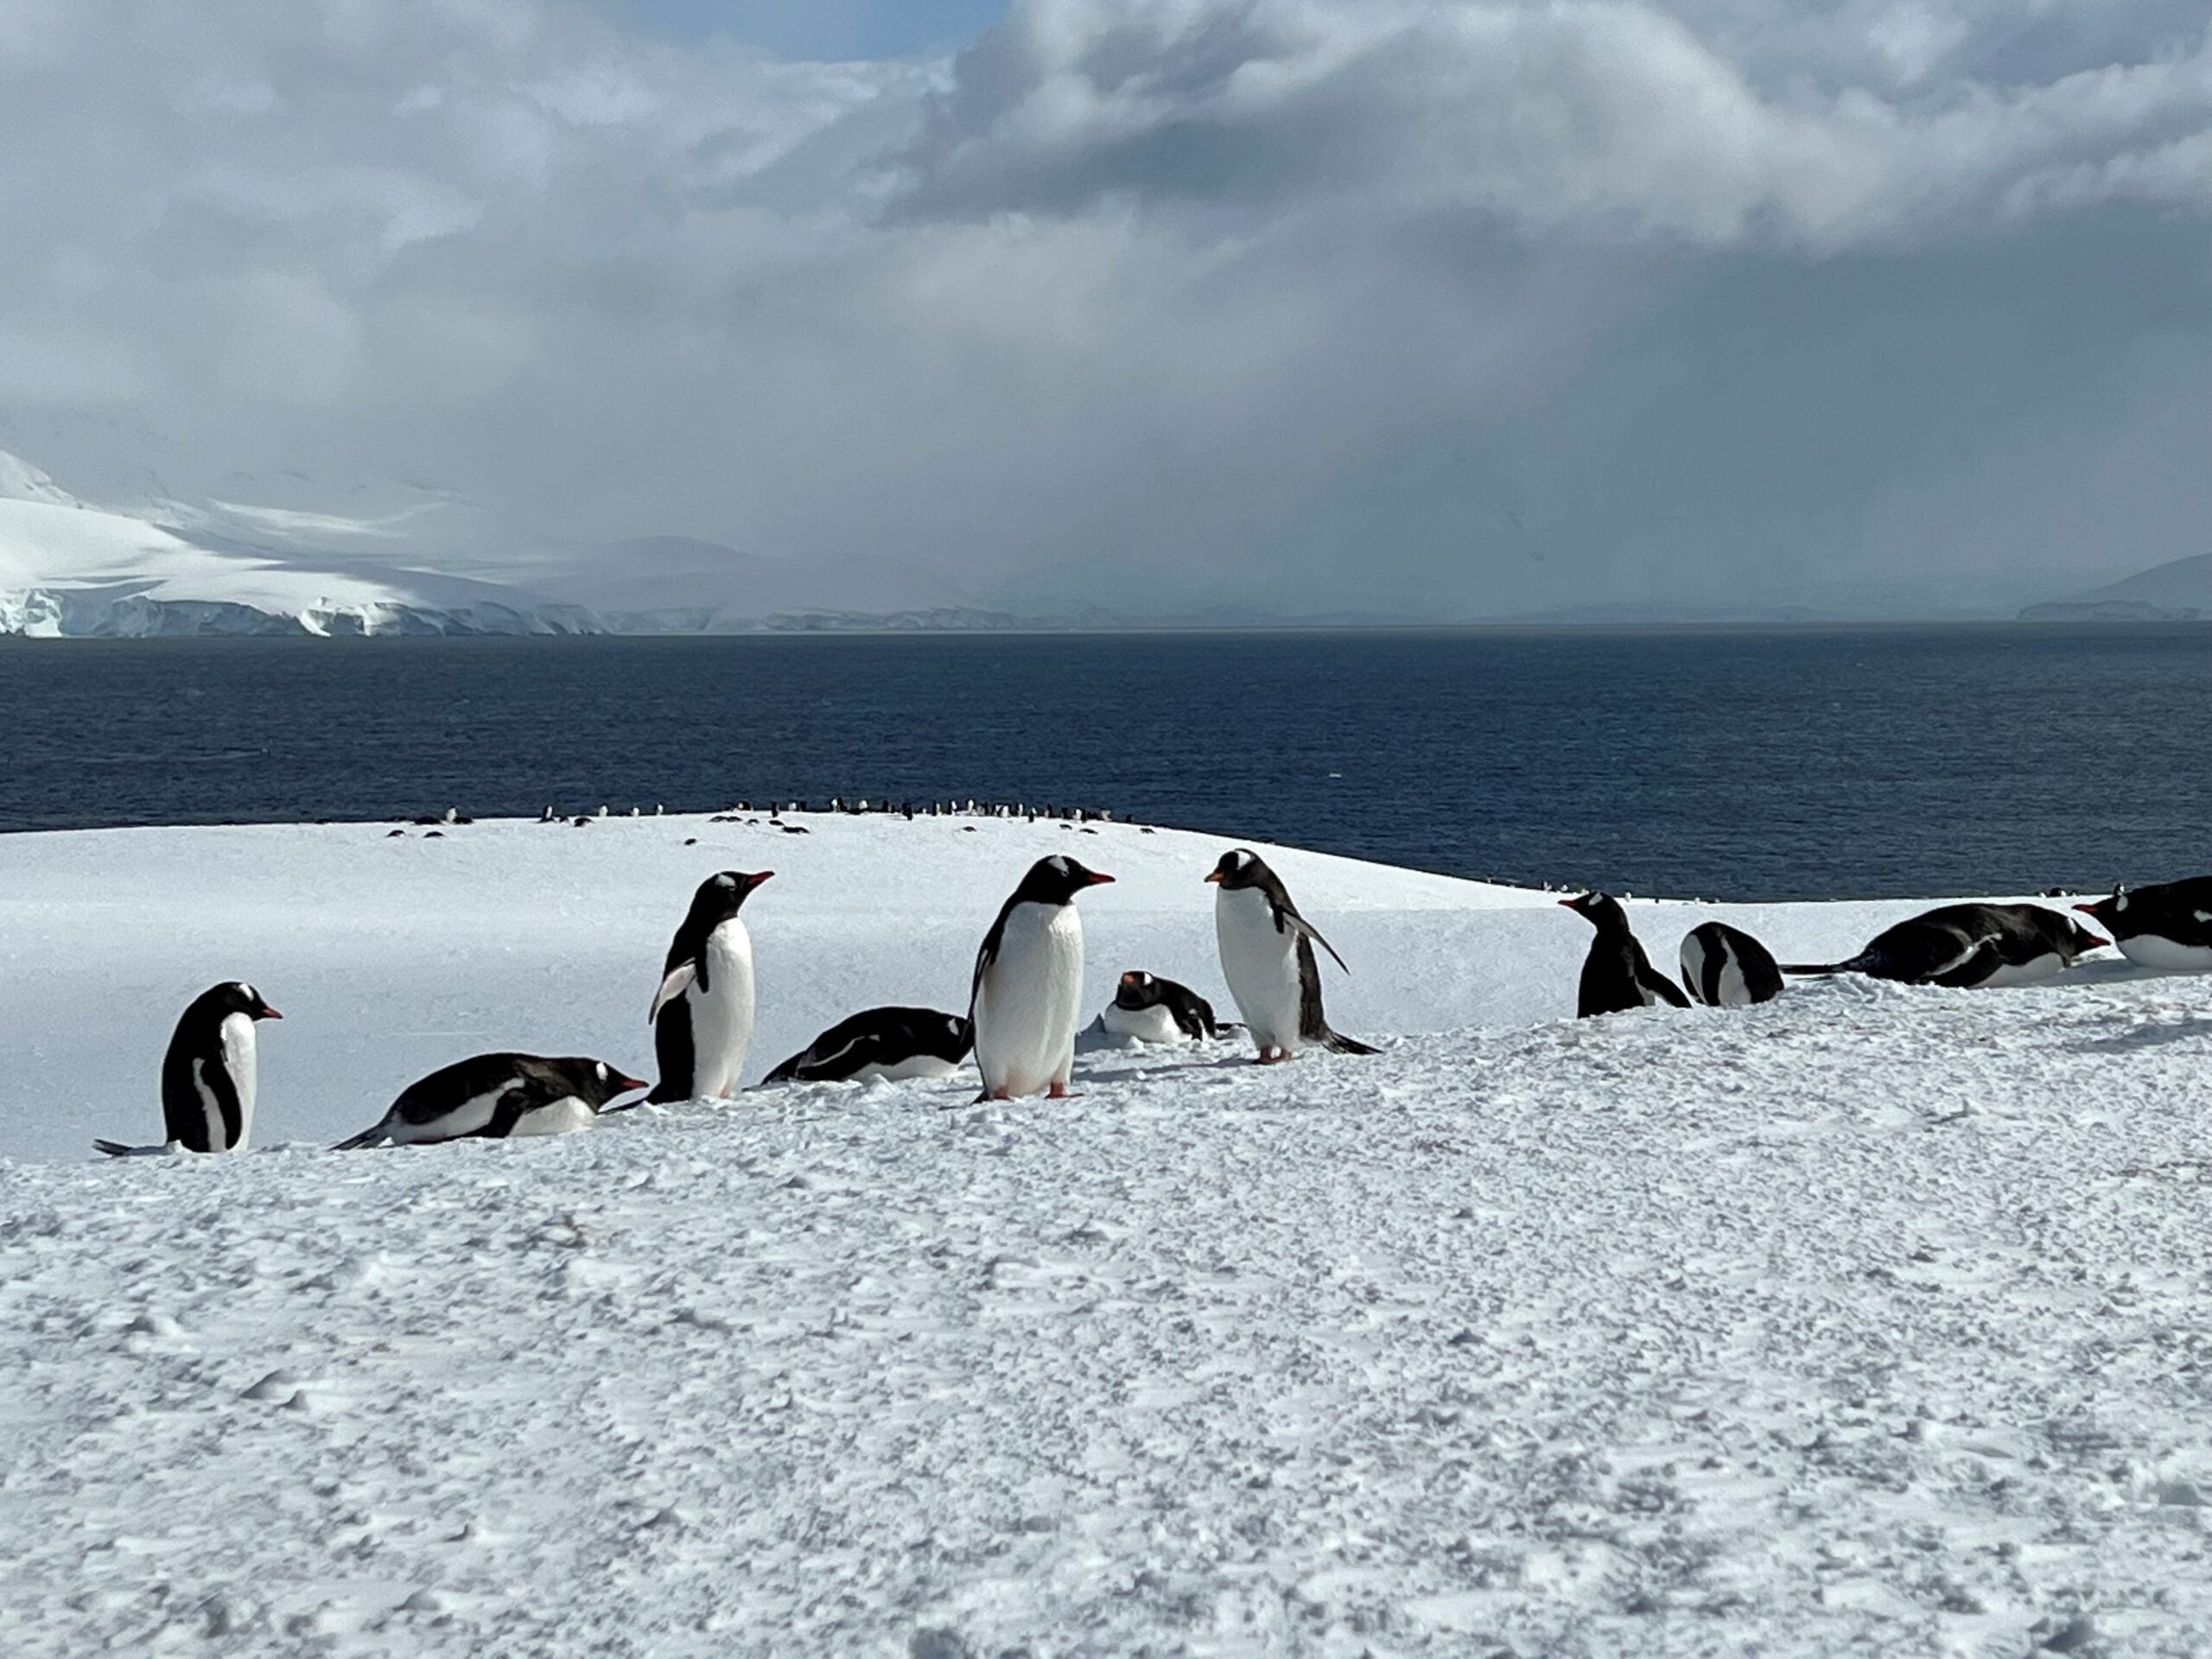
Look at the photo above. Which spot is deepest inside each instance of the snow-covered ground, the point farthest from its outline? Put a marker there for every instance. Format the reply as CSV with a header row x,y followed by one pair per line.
x,y
1872,1320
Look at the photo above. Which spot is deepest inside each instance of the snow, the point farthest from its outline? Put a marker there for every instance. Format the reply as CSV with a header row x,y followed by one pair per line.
x,y
1868,1320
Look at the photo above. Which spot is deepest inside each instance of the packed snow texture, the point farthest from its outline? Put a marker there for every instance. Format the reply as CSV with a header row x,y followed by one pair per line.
x,y
1869,1320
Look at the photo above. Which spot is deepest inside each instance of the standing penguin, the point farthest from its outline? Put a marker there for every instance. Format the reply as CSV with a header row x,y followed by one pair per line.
x,y
1029,983
207,1075
1617,975
496,1096
1266,957
1725,967
703,1015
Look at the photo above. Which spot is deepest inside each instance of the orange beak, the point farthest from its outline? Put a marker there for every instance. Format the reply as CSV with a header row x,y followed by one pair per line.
x,y
1213,875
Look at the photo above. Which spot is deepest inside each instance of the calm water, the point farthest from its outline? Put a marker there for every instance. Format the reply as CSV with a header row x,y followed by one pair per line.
x,y
1723,764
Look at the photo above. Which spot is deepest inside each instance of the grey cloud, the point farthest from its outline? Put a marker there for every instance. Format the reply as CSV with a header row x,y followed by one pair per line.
x,y
1426,307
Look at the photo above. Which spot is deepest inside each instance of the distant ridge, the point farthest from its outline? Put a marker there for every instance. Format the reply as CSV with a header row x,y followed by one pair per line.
x,y
2178,591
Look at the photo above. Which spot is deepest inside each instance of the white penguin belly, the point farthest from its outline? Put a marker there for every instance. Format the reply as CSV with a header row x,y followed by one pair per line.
x,y
722,1015
914,1065
1260,966
469,1117
2151,951
561,1116
1730,988
241,1060
1027,1005
2033,971
1152,1024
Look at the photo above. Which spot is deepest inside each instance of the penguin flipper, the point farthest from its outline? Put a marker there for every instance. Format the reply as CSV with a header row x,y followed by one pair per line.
x,y
367,1137
788,1072
679,981
1666,990
116,1149
1290,921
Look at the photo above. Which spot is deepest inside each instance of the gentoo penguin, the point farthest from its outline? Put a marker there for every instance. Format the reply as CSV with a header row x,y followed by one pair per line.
x,y
1969,946
1725,967
2166,925
1029,983
207,1075
496,1096
1266,957
1617,975
703,1015
882,1043
1149,1009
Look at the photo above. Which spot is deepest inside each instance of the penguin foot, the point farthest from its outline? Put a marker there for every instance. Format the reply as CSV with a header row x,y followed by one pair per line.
x,y
1060,1091
1272,1057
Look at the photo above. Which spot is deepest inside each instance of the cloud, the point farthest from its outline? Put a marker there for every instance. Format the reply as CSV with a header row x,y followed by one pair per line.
x,y
1437,307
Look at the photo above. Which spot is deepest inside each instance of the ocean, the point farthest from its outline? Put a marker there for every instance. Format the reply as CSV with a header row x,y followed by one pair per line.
x,y
1753,765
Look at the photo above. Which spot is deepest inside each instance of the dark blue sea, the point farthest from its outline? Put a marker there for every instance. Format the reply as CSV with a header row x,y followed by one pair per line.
x,y
1717,763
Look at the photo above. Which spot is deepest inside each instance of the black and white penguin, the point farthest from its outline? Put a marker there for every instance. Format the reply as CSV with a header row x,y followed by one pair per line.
x,y
1029,983
496,1096
1617,975
208,1074
1969,946
1149,1009
2167,925
1266,957
1725,967
703,1015
892,1043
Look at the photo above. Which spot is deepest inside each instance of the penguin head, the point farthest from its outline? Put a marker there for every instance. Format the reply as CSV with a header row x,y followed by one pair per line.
x,y
720,895
2104,910
1056,881
236,997
2080,940
594,1081
1600,909
1138,989
1238,869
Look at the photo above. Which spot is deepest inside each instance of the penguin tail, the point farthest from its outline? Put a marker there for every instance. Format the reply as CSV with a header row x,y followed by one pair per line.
x,y
367,1137
116,1149
1804,969
1337,1043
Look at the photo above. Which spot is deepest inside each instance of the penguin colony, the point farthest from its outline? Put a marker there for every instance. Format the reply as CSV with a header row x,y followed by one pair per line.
x,y
1023,1007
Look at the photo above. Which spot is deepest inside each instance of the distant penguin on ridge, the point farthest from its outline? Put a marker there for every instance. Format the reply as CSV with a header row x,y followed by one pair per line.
x,y
1724,966
1969,946
495,1097
1149,1009
209,1073
891,1043
1617,975
1029,983
2166,925
702,1016
1266,957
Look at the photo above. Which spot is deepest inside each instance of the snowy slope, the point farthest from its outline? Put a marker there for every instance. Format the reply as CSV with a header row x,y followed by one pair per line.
x,y
1868,1321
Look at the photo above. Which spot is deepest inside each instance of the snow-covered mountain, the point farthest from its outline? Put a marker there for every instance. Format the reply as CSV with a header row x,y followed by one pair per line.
x,y
283,554
68,569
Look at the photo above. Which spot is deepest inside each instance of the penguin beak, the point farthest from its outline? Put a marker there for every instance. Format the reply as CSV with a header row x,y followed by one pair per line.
x,y
2094,943
758,878
1096,877
627,1085
2088,910
1213,875
1566,904
268,1013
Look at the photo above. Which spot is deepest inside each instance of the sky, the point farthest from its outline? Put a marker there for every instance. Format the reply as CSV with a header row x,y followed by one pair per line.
x,y
1432,309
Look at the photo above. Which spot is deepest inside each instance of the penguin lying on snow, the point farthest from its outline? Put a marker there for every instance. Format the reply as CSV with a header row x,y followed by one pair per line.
x,y
2168,924
1028,982
1724,966
207,1075
703,1015
891,1043
1617,975
1266,957
494,1096
1968,946
1149,1009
